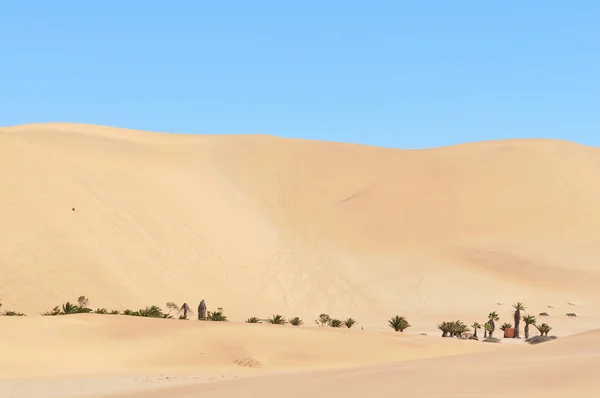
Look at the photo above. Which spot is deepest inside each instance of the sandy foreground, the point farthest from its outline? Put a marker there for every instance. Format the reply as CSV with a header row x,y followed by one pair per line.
x,y
260,225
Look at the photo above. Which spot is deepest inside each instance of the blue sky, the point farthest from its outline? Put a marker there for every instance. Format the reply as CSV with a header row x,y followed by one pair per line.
x,y
408,74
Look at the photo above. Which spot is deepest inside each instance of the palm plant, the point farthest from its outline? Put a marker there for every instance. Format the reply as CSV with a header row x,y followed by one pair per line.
x,y
277,320
336,323
11,313
506,325
101,311
114,312
475,326
517,317
55,311
153,311
398,323
488,330
216,316
544,329
459,328
446,328
349,322
492,318
253,320
296,321
529,320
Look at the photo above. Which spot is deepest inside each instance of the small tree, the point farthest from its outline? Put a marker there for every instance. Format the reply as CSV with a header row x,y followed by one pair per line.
x,y
475,326
398,323
323,320
83,301
492,318
529,320
487,330
517,317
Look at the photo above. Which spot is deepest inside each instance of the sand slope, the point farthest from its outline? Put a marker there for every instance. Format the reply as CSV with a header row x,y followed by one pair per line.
x,y
261,225
556,369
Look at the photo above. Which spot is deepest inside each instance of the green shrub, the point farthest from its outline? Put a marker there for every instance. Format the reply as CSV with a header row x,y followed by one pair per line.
x,y
349,322
68,309
101,311
336,323
253,320
398,323
153,311
296,321
453,328
216,316
277,320
506,325
11,313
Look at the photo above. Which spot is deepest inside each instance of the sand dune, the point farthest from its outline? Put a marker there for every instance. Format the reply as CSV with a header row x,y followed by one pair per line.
x,y
557,369
261,225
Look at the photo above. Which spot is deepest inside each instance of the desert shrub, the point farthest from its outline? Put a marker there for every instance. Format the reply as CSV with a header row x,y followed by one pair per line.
x,y
543,314
336,323
115,312
68,309
101,311
216,316
539,339
571,314
277,320
349,322
323,320
253,320
53,312
153,311
11,313
544,329
296,321
453,328
492,340
398,323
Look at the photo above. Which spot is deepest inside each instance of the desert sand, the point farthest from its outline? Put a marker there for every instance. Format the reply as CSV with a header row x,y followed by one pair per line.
x,y
260,225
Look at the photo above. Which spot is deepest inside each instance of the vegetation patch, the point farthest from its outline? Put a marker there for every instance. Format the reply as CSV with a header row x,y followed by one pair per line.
x,y
398,323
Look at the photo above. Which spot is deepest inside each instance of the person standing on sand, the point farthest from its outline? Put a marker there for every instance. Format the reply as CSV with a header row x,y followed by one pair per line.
x,y
202,310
